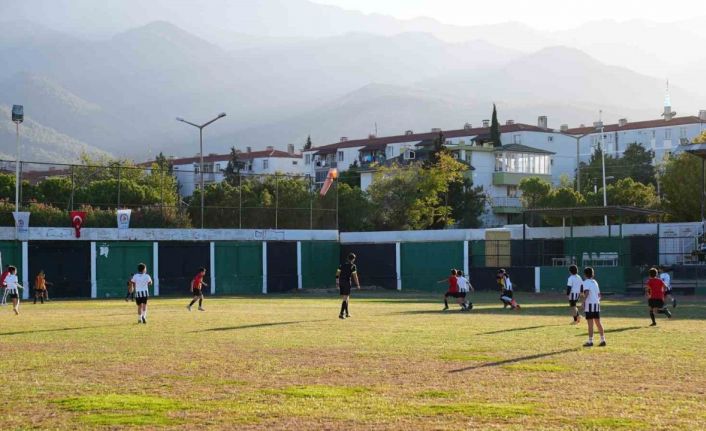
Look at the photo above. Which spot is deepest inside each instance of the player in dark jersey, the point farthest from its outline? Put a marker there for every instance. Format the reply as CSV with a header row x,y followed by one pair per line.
x,y
345,274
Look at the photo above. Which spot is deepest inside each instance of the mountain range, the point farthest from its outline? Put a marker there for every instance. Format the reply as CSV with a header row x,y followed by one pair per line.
x,y
286,69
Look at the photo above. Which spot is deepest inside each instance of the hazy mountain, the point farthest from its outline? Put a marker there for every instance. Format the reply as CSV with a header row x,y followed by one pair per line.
x,y
40,143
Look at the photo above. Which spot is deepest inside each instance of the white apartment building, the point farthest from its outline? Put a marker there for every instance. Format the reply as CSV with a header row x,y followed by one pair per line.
x,y
268,161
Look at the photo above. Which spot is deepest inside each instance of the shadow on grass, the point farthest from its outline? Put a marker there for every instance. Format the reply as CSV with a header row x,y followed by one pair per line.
x,y
616,330
36,331
515,360
526,328
255,325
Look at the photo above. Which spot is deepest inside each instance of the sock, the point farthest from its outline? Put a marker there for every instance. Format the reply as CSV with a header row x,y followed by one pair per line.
x,y
343,307
652,316
602,338
200,302
446,302
346,307
590,340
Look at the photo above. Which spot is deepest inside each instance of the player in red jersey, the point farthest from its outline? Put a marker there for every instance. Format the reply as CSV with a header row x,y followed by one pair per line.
x,y
655,289
453,288
196,285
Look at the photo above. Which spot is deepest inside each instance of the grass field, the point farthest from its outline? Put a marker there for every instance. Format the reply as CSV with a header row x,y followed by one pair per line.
x,y
288,362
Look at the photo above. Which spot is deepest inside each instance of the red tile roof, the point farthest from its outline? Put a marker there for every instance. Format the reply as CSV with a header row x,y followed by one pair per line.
x,y
517,127
678,121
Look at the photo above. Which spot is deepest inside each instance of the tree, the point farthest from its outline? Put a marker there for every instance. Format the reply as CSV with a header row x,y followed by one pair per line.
x,y
231,173
307,145
636,163
535,192
467,203
354,209
437,149
351,176
495,129
681,186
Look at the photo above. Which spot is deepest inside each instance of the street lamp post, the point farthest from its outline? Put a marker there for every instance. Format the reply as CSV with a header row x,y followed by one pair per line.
x,y
201,127
17,118
578,163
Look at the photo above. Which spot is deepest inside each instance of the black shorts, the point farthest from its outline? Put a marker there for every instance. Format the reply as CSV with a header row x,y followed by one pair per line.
x,y
344,289
13,296
141,300
592,315
655,303
572,302
197,292
455,294
507,293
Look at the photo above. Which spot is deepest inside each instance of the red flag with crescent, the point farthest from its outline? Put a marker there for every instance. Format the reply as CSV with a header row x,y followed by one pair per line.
x,y
77,219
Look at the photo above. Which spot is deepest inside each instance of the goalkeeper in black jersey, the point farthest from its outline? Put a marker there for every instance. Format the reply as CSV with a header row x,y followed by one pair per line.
x,y
345,275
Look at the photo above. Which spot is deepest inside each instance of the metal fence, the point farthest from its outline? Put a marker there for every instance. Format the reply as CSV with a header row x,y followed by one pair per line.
x,y
164,196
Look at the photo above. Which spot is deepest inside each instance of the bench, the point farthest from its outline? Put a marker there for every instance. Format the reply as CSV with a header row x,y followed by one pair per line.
x,y
679,287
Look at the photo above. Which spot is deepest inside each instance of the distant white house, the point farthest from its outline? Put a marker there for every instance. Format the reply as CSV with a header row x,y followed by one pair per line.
x,y
268,161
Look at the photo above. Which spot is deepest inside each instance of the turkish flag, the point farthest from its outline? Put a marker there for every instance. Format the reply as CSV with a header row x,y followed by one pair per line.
x,y
77,219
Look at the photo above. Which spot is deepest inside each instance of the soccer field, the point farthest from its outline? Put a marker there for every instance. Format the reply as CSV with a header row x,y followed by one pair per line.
x,y
399,363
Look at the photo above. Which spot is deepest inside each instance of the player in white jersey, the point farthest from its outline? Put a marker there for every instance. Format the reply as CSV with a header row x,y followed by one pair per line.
x,y
464,288
667,280
573,292
592,306
506,291
141,282
12,287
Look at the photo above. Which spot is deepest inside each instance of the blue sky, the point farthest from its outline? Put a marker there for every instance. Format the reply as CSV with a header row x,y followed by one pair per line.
x,y
543,14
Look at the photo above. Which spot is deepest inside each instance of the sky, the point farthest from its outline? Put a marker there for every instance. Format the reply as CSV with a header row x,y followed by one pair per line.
x,y
541,14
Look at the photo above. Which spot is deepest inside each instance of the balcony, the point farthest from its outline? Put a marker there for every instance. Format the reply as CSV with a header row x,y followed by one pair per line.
x,y
514,178
506,205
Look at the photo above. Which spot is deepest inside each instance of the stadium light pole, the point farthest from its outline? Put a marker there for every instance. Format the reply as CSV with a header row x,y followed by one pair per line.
x,y
578,162
201,127
17,118
602,146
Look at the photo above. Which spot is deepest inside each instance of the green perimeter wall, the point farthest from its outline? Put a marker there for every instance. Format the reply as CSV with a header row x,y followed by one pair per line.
x,y
238,268
11,255
319,262
425,263
477,252
116,262
610,278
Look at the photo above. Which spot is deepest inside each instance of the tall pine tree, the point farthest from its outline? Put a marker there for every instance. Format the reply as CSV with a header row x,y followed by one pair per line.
x,y
307,145
232,171
495,129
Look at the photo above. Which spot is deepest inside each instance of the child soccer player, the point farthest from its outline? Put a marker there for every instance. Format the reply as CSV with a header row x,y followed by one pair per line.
x,y
196,284
40,287
453,288
506,295
592,306
655,290
667,280
141,282
3,286
346,273
13,289
573,292
464,287
130,290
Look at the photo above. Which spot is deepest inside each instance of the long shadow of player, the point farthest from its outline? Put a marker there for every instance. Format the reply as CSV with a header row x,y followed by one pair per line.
x,y
36,331
515,360
256,325
526,328
614,330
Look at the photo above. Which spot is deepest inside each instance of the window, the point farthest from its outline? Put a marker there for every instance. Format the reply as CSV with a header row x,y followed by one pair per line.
x,y
512,191
390,151
667,133
654,134
550,138
682,132
516,139
218,167
340,156
196,169
294,162
307,159
265,164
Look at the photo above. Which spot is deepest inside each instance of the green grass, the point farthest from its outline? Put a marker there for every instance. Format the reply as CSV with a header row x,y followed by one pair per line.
x,y
288,362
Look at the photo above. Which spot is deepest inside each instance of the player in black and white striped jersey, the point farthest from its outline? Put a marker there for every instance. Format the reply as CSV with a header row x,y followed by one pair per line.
x,y
573,292
592,306
141,282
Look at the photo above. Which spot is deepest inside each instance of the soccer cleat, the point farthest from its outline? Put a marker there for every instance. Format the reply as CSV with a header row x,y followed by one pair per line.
x,y
653,324
341,316
603,344
588,344
446,307
347,315
201,309
144,320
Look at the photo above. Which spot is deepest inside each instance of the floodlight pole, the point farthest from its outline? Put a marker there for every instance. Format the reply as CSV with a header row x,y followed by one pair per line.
x,y
578,162
605,196
17,169
201,127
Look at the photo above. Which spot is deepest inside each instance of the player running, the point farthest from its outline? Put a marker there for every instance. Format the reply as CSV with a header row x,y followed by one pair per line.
x,y
464,289
573,292
13,289
667,280
592,306
40,287
655,290
453,288
141,282
506,295
346,273
196,285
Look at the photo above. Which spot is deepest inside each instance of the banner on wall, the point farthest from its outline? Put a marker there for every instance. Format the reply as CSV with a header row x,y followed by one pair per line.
x,y
21,221
124,218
